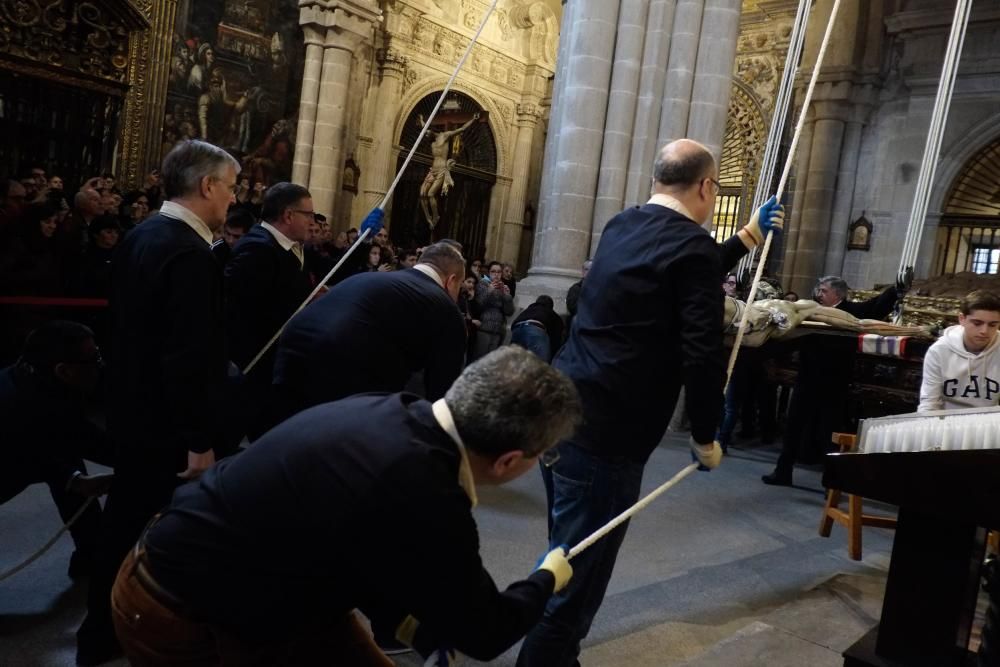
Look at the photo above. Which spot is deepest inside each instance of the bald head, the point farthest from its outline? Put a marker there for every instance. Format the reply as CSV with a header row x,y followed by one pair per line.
x,y
685,170
683,163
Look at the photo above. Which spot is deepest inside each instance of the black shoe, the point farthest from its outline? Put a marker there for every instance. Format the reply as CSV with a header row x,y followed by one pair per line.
x,y
777,478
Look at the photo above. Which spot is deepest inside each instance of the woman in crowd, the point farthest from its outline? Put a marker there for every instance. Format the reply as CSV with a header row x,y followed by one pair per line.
x,y
476,269
496,305
375,262
134,209
469,308
30,263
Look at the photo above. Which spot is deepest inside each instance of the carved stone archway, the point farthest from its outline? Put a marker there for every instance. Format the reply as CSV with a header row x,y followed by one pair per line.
x,y
739,165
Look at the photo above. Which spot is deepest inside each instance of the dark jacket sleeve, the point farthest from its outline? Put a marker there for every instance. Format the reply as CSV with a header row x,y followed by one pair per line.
x,y
193,360
699,300
251,276
876,308
731,251
456,601
444,361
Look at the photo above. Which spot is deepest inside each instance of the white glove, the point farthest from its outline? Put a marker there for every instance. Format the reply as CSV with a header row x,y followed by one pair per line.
x,y
557,563
709,455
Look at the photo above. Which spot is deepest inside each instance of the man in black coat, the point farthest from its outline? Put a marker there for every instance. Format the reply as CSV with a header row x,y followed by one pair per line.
x,y
265,281
239,221
375,330
818,406
45,433
648,323
365,502
169,362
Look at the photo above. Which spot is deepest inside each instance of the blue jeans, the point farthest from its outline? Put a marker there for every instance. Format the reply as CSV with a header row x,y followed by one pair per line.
x,y
533,339
584,492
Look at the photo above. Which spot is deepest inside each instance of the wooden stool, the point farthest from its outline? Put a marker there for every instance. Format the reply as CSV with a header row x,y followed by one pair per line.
x,y
854,518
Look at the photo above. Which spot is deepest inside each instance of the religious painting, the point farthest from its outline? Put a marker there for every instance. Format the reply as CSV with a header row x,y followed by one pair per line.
x,y
235,78
859,234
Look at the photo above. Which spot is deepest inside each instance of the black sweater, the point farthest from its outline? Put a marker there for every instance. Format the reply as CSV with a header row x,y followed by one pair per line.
x,y
349,504
649,322
168,367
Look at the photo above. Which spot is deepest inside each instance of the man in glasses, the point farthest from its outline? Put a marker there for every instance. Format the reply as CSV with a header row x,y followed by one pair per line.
x,y
45,431
265,281
648,323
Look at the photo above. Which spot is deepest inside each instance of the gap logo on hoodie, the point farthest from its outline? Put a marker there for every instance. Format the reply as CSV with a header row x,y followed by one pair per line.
x,y
955,378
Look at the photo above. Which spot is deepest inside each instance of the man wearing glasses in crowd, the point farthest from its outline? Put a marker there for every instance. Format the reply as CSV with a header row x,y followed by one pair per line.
x,y
266,280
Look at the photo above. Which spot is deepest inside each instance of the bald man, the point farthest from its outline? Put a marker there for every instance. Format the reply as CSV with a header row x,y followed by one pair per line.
x,y
647,324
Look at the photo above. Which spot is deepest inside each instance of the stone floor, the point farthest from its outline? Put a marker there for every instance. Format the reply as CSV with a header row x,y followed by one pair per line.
x,y
721,570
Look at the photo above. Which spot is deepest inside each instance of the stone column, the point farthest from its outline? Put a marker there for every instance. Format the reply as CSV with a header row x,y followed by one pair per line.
x,y
843,202
680,71
378,175
656,52
562,237
344,27
513,223
713,75
621,114
307,105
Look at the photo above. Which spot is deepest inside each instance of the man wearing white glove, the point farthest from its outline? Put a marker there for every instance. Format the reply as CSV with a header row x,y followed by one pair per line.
x,y
360,503
647,324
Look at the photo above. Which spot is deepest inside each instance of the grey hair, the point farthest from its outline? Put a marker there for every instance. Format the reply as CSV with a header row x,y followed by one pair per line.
x,y
838,284
509,400
445,258
189,162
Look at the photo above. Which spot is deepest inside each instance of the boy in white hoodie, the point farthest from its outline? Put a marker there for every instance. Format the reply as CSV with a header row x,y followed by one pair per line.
x,y
962,369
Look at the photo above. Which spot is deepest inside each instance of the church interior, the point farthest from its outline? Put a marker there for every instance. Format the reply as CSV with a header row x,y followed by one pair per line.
x,y
518,129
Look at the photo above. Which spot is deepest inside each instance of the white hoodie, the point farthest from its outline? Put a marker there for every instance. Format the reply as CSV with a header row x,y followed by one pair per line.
x,y
956,378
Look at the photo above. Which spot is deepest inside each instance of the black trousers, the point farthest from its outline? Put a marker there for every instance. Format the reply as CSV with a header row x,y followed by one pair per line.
x,y
137,494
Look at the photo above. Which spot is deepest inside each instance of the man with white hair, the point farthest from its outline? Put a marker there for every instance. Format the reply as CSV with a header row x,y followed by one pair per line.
x,y
169,363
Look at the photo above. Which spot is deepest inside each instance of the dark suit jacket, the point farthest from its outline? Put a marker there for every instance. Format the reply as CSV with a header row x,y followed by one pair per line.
x,y
371,333
648,323
264,285
168,366
876,308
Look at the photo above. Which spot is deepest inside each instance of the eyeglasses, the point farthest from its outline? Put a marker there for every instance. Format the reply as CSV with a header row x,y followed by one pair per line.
x,y
310,214
549,457
718,186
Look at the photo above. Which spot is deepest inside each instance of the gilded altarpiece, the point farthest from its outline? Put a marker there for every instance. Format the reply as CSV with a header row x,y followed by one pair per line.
x,y
112,48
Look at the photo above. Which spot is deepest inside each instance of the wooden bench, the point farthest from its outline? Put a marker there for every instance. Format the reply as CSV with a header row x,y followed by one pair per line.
x,y
854,518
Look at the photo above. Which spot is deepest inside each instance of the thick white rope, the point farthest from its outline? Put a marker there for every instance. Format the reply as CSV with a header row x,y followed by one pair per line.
x,y
389,192
48,545
627,514
779,115
781,185
939,120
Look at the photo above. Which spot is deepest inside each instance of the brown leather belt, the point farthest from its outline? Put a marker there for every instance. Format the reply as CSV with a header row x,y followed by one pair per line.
x,y
142,574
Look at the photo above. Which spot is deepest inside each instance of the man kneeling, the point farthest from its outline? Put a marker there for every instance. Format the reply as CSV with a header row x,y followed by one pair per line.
x,y
360,503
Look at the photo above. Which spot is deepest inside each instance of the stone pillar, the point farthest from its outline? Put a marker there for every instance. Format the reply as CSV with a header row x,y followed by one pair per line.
x,y
680,71
513,223
656,52
307,105
624,84
713,75
378,175
562,237
344,27
843,202
621,115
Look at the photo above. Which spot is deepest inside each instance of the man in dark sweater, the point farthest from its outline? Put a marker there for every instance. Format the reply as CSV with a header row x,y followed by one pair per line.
x,y
265,281
365,502
169,362
818,406
350,340
648,323
538,328
45,433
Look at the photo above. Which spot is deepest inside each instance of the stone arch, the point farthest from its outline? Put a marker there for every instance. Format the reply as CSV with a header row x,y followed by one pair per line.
x,y
739,164
954,161
420,90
